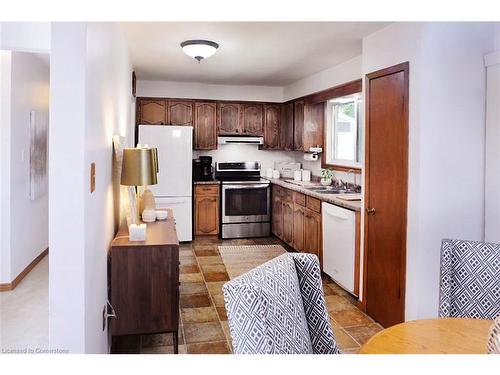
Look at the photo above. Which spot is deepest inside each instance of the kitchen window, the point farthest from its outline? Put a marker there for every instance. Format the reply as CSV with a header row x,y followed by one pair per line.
x,y
343,132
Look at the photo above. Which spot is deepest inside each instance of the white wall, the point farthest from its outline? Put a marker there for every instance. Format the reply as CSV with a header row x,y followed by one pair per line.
x,y
29,91
25,87
99,85
25,36
108,98
67,176
331,77
446,149
189,90
492,180
5,88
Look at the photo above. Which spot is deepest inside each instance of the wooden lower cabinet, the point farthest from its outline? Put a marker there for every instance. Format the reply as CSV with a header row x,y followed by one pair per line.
x,y
296,224
277,215
312,233
298,227
206,210
287,212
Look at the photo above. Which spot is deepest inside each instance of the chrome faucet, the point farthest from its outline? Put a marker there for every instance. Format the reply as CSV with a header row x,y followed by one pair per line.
x,y
354,185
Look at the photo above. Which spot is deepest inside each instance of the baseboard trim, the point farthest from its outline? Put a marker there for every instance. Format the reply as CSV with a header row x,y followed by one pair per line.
x,y
5,287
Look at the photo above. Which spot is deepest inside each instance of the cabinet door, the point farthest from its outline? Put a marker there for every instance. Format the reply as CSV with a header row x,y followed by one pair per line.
x,y
228,118
298,227
314,120
277,215
271,127
288,222
180,112
312,233
153,112
298,125
205,127
252,119
207,215
286,127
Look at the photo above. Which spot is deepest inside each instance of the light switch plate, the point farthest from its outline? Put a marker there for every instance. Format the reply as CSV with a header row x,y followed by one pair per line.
x,y
92,177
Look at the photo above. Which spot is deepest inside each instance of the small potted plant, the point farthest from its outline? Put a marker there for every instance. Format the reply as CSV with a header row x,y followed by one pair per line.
x,y
326,177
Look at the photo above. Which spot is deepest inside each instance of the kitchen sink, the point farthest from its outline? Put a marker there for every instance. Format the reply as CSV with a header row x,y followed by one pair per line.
x,y
327,190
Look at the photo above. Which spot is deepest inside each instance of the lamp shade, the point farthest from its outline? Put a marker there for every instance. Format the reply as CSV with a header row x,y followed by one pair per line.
x,y
139,166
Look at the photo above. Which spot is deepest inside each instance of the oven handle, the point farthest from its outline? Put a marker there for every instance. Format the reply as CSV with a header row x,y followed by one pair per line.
x,y
257,186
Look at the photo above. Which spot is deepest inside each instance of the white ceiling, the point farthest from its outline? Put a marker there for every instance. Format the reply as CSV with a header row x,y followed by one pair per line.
x,y
250,53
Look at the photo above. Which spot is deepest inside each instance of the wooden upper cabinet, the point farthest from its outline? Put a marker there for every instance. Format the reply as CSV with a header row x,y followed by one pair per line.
x,y
205,126
272,114
286,127
180,112
252,119
314,122
152,112
228,118
298,125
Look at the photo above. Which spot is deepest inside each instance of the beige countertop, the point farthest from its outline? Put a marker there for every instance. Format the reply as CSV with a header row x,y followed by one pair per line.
x,y
211,182
330,198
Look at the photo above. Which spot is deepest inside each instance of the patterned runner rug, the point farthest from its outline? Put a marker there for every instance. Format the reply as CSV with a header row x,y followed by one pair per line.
x,y
240,259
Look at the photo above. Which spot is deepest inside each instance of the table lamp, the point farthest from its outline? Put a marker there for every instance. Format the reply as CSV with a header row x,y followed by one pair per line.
x,y
139,168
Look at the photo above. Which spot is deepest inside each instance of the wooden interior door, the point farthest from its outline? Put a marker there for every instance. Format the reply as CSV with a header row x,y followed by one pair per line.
x,y
386,164
205,127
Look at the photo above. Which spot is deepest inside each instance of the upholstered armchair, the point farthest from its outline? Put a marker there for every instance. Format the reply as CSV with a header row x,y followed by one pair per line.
x,y
470,279
279,308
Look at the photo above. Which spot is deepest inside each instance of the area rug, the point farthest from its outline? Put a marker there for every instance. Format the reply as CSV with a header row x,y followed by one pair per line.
x,y
240,259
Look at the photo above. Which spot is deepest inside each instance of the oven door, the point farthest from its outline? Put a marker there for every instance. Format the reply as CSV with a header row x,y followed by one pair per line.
x,y
246,203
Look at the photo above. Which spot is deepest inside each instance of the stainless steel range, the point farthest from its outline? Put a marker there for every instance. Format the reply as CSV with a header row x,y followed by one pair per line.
x,y
246,200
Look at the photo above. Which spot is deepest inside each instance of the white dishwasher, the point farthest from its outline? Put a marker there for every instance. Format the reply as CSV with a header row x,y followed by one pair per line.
x,y
339,241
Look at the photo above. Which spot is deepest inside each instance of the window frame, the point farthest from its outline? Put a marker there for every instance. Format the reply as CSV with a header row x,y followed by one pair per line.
x,y
349,88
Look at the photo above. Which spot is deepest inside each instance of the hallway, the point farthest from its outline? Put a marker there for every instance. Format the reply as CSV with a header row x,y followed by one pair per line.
x,y
24,312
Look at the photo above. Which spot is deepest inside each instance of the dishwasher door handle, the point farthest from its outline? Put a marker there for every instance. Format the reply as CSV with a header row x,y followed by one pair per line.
x,y
336,216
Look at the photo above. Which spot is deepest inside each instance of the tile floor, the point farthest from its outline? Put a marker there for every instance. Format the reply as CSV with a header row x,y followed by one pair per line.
x,y
203,321
24,311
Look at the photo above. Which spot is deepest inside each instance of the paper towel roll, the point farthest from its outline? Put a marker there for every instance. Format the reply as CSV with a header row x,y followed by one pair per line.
x,y
311,157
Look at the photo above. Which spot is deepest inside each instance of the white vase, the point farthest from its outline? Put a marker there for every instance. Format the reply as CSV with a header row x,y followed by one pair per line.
x,y
326,181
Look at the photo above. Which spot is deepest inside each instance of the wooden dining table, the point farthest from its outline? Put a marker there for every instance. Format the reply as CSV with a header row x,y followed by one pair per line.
x,y
431,336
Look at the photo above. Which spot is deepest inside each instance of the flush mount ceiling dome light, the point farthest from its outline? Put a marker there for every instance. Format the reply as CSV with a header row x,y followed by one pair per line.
x,y
199,49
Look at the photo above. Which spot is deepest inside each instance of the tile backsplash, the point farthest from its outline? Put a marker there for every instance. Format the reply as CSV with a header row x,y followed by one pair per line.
x,y
267,159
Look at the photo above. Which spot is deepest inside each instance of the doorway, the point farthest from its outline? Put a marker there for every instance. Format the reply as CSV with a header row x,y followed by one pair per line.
x,y
386,182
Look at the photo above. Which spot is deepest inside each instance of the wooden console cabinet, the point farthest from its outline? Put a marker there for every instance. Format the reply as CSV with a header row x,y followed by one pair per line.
x,y
144,282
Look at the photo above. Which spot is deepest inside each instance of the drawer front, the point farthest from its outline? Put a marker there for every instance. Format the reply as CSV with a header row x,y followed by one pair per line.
x,y
277,191
207,189
313,204
299,198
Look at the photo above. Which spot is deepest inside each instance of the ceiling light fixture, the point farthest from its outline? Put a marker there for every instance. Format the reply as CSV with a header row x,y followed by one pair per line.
x,y
199,49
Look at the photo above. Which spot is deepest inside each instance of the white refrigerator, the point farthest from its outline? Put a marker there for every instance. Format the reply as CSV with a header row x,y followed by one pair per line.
x,y
174,187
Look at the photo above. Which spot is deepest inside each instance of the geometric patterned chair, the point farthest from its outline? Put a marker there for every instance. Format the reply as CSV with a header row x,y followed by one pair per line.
x,y
279,308
470,279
